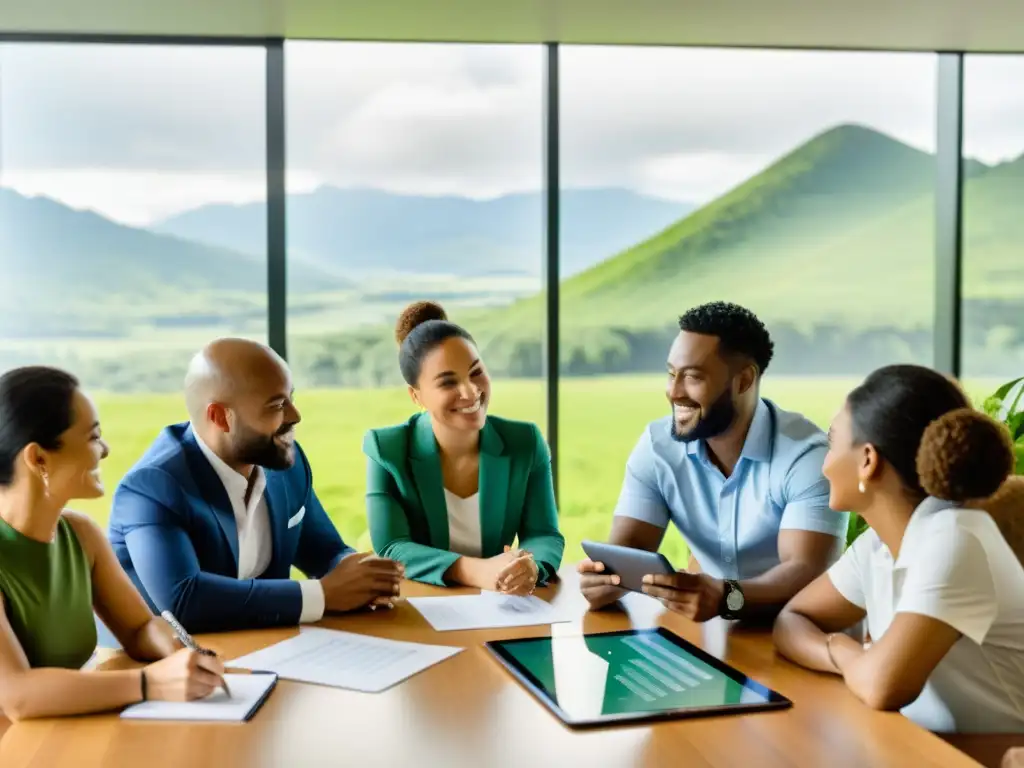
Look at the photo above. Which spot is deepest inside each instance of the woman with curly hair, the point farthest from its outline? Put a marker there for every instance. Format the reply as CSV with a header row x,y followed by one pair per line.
x,y
450,490
941,589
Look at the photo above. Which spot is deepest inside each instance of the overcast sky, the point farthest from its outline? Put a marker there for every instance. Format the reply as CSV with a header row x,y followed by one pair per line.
x,y
139,133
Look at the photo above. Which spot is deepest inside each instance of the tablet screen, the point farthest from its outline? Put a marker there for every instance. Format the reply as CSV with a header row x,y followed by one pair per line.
x,y
629,675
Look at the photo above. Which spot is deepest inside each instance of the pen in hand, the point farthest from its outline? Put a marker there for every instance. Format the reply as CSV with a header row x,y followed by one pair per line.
x,y
188,642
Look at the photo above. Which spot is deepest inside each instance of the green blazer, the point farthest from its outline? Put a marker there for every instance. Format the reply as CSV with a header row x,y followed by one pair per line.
x,y
406,506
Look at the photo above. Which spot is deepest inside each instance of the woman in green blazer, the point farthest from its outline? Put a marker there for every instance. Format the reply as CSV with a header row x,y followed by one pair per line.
x,y
450,490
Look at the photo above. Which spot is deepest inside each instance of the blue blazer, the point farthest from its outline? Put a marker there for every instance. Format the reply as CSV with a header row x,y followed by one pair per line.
x,y
173,530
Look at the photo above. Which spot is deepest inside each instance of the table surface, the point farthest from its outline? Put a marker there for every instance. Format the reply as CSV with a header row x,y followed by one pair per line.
x,y
469,711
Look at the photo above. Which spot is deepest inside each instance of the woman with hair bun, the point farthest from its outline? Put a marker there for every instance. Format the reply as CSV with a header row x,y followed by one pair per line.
x,y
941,589
450,490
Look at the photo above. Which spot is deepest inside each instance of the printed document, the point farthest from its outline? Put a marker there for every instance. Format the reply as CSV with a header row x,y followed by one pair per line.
x,y
345,659
488,610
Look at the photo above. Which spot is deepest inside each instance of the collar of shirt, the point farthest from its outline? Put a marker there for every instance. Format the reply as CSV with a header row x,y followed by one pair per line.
x,y
235,483
911,536
758,444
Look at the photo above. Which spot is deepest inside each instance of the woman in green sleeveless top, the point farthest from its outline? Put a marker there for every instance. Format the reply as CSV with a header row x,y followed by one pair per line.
x,y
56,567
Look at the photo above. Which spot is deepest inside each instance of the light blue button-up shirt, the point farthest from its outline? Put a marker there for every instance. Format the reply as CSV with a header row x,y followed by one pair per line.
x,y
732,524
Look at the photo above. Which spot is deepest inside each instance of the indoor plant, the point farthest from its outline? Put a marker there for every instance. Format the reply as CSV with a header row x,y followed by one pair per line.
x,y
1006,404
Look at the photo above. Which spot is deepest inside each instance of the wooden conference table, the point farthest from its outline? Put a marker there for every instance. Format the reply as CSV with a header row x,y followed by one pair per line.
x,y
468,711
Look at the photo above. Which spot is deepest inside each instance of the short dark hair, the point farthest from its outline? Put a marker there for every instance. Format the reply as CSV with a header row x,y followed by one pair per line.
x,y
35,407
738,330
922,424
421,327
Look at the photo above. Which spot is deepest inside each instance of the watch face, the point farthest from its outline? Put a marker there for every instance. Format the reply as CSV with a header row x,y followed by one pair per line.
x,y
734,601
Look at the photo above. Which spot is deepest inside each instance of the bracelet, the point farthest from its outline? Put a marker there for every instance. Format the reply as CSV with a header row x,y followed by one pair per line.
x,y
828,650
142,676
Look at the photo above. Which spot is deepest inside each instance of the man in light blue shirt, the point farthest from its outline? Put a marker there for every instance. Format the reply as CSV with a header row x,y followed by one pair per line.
x,y
740,478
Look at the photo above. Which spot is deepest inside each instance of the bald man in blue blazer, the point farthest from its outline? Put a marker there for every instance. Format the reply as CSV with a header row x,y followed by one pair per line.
x,y
212,519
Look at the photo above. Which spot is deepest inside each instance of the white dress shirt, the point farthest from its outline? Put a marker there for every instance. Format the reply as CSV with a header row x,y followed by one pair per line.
x,y
954,566
252,525
464,537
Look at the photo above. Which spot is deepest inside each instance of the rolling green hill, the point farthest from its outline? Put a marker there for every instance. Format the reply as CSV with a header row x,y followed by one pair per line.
x,y
832,245
64,268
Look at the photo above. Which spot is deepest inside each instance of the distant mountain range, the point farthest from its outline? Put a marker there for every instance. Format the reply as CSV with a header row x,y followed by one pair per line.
x,y
355,231
335,235
832,245
832,242
49,248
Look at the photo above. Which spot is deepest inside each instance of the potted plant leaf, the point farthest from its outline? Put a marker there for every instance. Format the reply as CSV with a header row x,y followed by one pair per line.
x,y
1006,404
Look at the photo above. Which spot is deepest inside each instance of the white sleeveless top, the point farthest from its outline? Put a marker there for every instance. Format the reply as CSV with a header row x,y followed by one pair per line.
x,y
464,537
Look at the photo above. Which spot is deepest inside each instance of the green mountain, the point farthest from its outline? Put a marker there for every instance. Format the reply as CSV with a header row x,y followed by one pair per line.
x,y
832,245
76,272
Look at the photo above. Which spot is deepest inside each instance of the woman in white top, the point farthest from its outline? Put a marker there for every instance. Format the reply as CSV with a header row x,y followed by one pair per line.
x,y
942,592
452,489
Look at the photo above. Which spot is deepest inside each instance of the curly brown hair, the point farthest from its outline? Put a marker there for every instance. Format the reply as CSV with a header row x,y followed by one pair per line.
x,y
964,455
416,314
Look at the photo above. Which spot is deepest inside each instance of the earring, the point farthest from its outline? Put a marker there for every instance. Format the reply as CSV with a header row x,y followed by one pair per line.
x,y
860,486
46,481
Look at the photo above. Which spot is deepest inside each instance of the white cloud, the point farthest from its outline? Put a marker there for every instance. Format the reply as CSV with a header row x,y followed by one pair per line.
x,y
994,107
141,132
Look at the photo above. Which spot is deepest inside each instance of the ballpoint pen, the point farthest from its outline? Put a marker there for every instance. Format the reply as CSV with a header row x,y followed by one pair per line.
x,y
188,642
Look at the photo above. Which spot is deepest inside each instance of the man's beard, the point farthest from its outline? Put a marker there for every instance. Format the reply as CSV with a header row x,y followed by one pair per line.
x,y
718,418
252,447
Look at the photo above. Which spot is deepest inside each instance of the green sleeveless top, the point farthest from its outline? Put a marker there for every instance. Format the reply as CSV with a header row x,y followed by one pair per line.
x,y
47,589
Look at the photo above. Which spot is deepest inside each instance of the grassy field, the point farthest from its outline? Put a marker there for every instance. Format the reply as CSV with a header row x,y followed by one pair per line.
x,y
601,419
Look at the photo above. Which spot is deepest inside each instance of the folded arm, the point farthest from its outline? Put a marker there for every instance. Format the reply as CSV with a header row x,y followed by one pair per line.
x,y
948,593
890,674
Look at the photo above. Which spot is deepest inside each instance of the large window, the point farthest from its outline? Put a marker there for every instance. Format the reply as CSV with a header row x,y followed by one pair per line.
x,y
115,162
414,172
992,334
799,184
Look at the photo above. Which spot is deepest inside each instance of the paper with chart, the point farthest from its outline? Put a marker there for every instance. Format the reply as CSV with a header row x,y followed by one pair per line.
x,y
345,660
247,694
488,610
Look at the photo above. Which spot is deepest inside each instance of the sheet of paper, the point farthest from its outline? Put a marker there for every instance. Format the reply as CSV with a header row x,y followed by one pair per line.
x,y
247,691
345,660
488,610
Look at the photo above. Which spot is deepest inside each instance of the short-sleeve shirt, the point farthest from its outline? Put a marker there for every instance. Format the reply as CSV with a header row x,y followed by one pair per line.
x,y
732,524
955,566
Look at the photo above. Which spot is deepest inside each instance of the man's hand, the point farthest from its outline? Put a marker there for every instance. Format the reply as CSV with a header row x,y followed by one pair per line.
x,y
361,579
696,596
599,588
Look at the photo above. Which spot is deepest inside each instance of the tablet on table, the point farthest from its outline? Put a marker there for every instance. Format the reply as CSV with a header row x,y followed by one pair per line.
x,y
629,676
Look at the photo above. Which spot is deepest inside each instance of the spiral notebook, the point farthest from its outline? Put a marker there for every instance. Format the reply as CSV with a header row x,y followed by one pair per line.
x,y
248,692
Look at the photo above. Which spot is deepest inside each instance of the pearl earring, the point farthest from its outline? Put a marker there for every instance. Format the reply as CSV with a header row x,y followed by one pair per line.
x,y
860,486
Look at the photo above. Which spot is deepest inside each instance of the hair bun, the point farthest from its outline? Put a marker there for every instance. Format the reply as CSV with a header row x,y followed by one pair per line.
x,y
415,314
964,455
